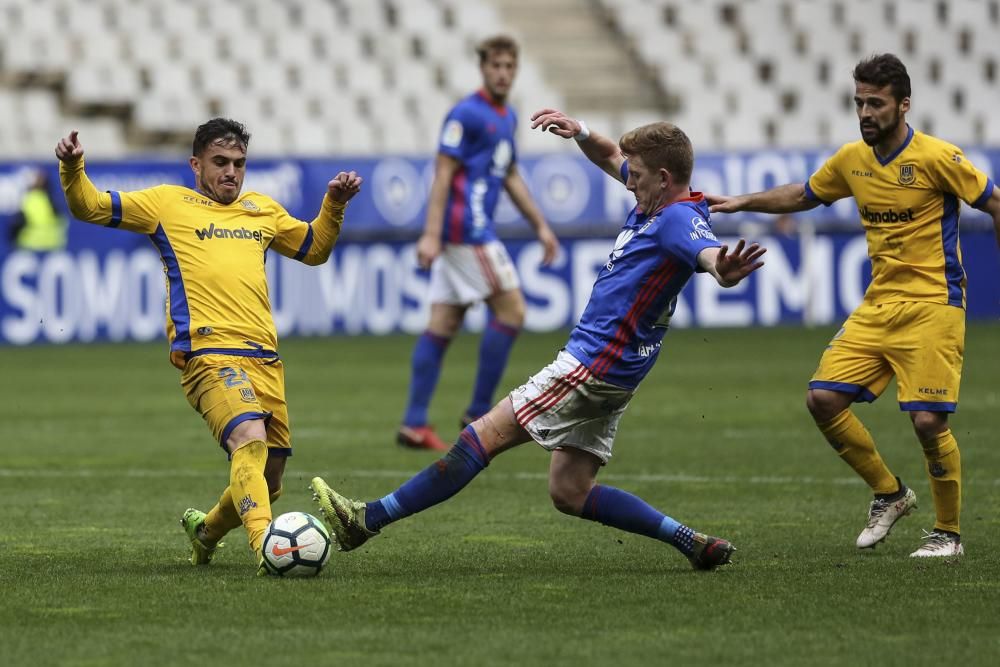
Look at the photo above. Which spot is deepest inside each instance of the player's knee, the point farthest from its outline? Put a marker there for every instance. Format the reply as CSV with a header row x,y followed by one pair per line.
x,y
823,405
567,498
928,425
274,491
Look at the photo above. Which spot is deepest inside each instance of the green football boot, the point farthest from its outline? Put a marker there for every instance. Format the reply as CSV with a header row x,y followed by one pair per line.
x,y
345,518
201,553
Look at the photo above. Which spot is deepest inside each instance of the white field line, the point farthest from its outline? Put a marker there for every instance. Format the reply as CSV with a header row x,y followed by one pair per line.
x,y
402,475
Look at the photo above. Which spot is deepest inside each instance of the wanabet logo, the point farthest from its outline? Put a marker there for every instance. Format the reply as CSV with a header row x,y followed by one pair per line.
x,y
214,232
886,216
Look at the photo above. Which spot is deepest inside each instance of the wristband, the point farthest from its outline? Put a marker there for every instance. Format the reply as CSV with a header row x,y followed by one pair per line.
x,y
583,133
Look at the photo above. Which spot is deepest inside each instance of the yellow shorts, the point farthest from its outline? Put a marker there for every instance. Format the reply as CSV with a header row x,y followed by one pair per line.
x,y
921,343
228,390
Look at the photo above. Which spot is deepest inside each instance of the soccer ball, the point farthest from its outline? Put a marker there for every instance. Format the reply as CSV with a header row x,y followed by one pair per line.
x,y
296,544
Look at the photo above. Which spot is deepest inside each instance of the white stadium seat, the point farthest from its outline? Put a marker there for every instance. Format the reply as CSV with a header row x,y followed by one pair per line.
x,y
155,68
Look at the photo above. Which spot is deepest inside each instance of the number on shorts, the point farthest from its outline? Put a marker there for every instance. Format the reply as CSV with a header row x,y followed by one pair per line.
x,y
233,377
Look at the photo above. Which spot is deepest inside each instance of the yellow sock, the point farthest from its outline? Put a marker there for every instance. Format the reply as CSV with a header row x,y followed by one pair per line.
x,y
223,517
249,490
852,441
944,468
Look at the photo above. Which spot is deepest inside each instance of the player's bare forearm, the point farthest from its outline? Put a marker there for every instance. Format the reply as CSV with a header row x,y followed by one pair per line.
x,y
445,168
603,152
789,198
521,196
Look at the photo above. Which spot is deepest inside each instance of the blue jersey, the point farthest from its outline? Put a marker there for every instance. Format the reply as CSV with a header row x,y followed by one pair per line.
x,y
619,334
480,135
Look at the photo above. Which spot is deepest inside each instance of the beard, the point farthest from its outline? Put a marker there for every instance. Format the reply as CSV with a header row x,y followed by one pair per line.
x,y
880,134
223,197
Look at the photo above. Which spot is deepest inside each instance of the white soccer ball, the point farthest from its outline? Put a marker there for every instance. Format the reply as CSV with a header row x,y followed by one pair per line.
x,y
296,544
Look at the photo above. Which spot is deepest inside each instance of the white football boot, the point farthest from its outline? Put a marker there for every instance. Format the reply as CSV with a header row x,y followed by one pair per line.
x,y
882,515
937,544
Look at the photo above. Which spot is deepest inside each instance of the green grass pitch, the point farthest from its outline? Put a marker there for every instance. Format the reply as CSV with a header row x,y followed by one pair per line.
x,y
101,455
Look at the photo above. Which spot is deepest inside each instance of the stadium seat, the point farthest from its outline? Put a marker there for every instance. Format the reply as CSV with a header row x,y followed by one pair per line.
x,y
783,67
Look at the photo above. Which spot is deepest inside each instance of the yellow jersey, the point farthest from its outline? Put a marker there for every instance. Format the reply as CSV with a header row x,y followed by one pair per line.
x,y
213,256
909,208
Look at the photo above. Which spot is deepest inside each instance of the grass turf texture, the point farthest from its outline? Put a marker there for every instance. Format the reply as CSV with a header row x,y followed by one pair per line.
x,y
102,454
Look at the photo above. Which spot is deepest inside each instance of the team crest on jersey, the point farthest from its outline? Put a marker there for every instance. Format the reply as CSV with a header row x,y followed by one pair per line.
x,y
451,136
249,205
907,174
247,395
956,158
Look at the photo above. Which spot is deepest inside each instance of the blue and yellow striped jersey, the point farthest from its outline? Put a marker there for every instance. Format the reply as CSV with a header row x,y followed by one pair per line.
x,y
213,256
909,206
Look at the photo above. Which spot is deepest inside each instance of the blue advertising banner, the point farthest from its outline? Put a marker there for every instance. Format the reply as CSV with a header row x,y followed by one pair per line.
x,y
108,284
375,288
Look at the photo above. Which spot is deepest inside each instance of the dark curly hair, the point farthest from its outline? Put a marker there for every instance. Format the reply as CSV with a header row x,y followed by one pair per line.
x,y
884,69
223,131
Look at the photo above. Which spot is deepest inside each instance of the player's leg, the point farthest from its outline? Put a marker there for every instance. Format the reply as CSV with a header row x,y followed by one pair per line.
x,y
850,439
928,363
944,470
854,368
574,491
353,522
221,389
425,365
247,445
506,303
507,317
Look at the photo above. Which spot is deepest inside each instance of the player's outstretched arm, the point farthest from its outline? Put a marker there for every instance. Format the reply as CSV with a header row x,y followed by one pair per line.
x,y
84,200
730,268
599,149
788,198
325,228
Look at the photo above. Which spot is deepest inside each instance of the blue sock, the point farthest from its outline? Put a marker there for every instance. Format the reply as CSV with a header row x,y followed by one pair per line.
x,y
494,350
425,370
432,485
619,509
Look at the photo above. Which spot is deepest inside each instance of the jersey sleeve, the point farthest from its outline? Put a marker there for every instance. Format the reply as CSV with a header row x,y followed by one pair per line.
x,y
686,235
308,242
134,211
458,133
828,184
954,173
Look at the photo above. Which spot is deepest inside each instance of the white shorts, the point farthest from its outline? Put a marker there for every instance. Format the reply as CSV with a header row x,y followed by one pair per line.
x,y
466,274
563,405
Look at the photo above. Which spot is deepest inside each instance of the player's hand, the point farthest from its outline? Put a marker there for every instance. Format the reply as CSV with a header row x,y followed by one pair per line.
x,y
722,203
344,186
556,122
740,264
550,245
69,149
428,249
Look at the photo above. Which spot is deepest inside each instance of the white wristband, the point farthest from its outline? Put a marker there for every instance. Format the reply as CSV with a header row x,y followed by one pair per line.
x,y
583,133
